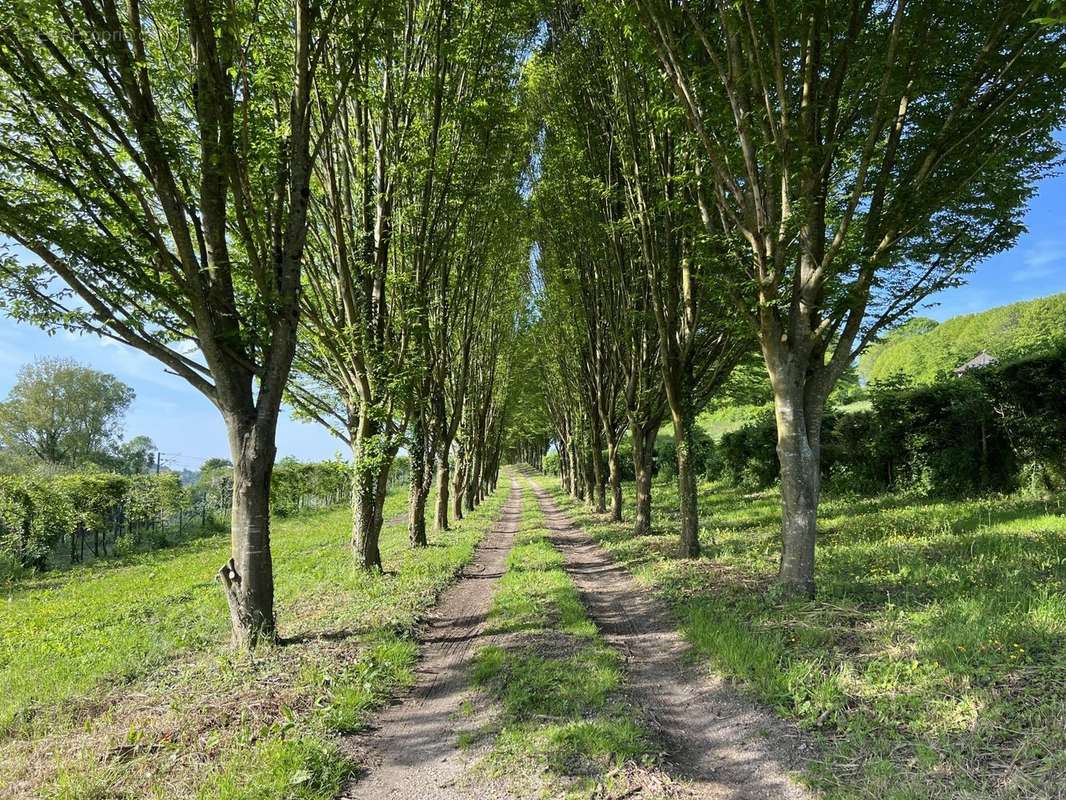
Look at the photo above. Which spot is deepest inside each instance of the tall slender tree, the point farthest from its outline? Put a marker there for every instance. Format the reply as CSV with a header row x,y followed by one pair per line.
x,y
155,164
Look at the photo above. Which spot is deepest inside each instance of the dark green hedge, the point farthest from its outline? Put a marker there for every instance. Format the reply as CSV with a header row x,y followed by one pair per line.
x,y
989,430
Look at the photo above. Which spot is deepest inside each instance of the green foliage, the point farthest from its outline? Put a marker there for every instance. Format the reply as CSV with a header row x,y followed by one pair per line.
x,y
922,350
938,629
296,485
703,458
988,430
63,413
282,769
34,516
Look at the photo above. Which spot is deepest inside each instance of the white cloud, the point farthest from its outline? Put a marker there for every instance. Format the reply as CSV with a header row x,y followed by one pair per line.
x,y
1043,259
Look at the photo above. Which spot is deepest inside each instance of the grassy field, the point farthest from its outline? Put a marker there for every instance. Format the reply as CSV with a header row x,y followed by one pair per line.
x,y
558,727
116,680
933,664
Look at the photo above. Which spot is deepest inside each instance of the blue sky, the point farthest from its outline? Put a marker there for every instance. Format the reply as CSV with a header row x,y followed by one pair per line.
x,y
184,425
188,429
1035,267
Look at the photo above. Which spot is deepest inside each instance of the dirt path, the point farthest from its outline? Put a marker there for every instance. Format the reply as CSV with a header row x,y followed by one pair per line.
x,y
720,743
412,751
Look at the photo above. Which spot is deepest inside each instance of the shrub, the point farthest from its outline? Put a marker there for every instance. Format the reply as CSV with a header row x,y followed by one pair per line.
x,y
989,430
705,459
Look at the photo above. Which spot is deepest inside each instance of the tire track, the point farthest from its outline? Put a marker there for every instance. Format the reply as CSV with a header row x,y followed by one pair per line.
x,y
721,744
412,750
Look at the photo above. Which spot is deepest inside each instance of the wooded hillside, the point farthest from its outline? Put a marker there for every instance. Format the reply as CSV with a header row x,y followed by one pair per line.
x,y
921,348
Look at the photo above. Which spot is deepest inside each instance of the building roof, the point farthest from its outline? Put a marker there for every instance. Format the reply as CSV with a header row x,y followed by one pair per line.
x,y
982,359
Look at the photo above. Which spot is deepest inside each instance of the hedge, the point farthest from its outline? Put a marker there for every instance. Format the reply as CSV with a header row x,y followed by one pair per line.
x,y
989,430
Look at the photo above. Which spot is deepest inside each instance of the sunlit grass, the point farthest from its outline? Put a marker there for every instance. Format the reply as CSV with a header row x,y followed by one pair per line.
x,y
195,716
555,681
933,661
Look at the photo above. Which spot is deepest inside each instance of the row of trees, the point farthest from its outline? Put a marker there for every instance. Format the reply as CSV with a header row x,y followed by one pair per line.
x,y
314,199
793,179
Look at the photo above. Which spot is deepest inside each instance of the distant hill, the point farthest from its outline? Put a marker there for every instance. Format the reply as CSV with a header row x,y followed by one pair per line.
x,y
921,348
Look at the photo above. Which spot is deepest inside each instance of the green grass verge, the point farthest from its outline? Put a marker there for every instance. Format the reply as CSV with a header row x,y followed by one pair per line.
x,y
554,681
120,681
933,660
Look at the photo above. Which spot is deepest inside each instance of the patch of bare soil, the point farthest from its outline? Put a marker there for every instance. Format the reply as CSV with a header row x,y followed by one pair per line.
x,y
720,744
412,750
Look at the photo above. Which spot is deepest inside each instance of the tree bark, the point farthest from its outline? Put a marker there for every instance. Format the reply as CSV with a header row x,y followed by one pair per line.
x,y
370,475
599,479
419,487
473,481
686,481
643,458
799,453
458,488
615,472
248,577
441,521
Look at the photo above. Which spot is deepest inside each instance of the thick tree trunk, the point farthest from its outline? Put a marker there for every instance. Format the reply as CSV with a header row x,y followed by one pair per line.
x,y
441,521
643,458
366,529
686,484
370,476
615,471
799,453
416,521
248,577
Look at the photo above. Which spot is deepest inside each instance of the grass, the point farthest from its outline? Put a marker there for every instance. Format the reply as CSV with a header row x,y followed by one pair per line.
x,y
116,681
555,683
933,663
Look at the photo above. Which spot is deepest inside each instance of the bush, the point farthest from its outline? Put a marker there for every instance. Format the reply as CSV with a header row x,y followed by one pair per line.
x,y
705,460
34,517
749,454
297,485
552,464
989,430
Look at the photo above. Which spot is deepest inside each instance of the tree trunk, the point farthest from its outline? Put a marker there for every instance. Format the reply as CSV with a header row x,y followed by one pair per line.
x,y
799,453
686,484
365,529
599,480
458,489
441,522
643,457
615,471
370,475
416,523
248,577
416,511
473,481
589,472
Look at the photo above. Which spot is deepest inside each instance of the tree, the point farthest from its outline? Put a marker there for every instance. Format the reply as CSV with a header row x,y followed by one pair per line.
x,y
136,456
399,175
63,413
155,164
854,158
